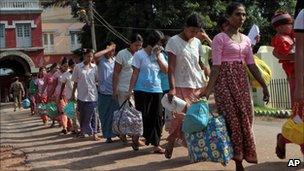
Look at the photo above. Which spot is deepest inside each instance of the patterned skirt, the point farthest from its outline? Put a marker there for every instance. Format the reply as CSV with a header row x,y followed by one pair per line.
x,y
233,100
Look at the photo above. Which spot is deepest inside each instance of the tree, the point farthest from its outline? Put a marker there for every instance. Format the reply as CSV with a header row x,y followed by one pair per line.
x,y
139,15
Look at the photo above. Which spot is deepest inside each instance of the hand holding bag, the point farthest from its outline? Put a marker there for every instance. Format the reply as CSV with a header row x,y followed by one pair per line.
x,y
197,117
70,109
212,144
127,120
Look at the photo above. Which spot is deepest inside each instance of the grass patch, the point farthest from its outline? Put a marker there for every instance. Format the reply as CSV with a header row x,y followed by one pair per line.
x,y
272,112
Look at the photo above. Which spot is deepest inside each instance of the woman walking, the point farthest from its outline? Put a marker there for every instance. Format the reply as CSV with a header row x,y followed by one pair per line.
x,y
106,103
41,96
230,84
146,83
185,74
66,91
85,81
123,71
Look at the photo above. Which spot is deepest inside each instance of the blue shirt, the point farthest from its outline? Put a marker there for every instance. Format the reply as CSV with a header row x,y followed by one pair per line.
x,y
105,75
149,72
164,77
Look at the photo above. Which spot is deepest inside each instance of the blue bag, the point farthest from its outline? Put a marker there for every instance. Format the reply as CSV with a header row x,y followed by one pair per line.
x,y
70,110
197,117
52,109
212,144
26,103
42,108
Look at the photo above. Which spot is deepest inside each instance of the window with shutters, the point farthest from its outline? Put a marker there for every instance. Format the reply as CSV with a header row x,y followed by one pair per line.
x,y
24,37
2,36
48,42
75,43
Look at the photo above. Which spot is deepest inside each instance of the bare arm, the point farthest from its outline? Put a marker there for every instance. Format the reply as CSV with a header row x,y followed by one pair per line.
x,y
54,88
171,71
117,70
62,88
289,57
99,54
163,67
257,75
73,91
133,79
215,71
22,89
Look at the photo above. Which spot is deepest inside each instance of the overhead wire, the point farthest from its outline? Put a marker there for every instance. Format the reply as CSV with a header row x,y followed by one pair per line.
x,y
109,27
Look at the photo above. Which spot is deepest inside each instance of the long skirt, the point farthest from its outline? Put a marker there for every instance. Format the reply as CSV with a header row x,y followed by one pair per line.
x,y
175,131
33,103
87,117
233,100
42,99
150,106
106,106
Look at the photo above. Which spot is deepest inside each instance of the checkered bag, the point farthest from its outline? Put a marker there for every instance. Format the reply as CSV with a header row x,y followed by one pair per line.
x,y
127,120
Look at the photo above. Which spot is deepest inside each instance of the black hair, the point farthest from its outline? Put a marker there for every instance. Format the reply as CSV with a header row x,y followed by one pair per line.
x,y
194,20
165,40
85,51
71,62
108,43
223,19
41,68
64,61
53,66
135,37
232,7
153,38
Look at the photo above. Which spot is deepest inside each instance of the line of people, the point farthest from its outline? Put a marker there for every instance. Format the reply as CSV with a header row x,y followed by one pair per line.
x,y
151,67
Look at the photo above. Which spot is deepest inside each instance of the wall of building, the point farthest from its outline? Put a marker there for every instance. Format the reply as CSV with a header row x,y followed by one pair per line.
x,y
11,31
60,22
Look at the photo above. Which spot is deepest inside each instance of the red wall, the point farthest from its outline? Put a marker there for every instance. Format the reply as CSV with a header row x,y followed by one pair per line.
x,y
11,33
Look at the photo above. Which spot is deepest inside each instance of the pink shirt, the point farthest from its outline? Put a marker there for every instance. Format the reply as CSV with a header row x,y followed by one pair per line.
x,y
50,82
224,49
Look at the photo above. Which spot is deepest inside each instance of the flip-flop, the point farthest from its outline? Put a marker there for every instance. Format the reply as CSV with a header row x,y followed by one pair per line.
x,y
135,145
159,151
169,151
281,152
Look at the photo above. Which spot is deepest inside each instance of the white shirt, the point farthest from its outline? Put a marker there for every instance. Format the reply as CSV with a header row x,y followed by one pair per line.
x,y
86,78
124,58
188,73
68,89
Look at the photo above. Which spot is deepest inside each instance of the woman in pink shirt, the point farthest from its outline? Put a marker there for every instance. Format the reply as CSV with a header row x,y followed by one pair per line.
x,y
51,80
41,96
230,49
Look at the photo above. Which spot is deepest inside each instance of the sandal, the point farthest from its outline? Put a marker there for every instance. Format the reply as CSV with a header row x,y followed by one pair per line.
x,y
109,140
123,138
159,150
280,151
64,131
96,138
135,145
169,151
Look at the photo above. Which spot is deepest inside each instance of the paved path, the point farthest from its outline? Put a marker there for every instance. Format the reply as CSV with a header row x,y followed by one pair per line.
x,y
47,150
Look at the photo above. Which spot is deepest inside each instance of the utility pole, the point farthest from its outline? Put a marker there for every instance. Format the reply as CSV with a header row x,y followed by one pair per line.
x,y
92,24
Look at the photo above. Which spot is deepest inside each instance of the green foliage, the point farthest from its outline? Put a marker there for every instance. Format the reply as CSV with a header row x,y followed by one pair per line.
x,y
139,15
